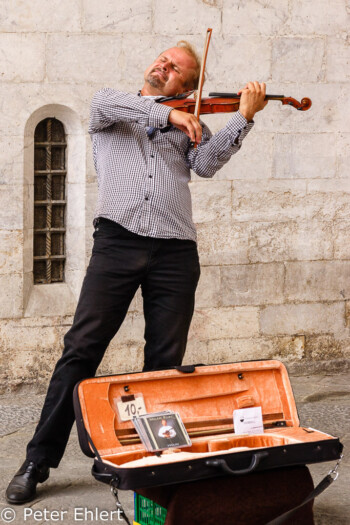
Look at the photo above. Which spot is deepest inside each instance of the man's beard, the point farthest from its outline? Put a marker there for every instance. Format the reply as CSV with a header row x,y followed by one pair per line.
x,y
155,80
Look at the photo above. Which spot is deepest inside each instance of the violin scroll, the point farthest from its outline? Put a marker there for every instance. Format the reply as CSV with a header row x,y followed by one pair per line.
x,y
303,105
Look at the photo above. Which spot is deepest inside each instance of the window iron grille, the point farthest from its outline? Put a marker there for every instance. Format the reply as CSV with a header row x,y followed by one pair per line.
x,y
49,201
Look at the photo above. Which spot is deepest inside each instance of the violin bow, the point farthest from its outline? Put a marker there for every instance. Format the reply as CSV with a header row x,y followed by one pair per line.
x,y
198,95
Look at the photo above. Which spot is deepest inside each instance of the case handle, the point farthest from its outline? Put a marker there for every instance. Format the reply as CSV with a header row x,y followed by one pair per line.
x,y
221,464
104,478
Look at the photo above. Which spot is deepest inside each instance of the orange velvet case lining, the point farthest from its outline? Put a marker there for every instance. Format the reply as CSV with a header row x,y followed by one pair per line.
x,y
205,400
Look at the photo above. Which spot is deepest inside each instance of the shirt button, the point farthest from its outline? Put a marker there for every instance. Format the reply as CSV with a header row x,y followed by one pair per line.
x,y
152,155
146,198
150,176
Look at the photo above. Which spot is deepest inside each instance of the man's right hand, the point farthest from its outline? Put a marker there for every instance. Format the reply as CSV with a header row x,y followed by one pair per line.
x,y
187,123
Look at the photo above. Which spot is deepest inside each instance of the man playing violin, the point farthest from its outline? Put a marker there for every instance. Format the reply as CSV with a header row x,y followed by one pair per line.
x,y
144,237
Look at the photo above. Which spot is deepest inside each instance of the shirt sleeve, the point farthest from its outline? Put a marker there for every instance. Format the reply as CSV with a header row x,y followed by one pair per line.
x,y
215,150
109,106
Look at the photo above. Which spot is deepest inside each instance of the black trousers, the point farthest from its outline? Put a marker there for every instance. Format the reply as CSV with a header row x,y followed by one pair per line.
x,y
167,271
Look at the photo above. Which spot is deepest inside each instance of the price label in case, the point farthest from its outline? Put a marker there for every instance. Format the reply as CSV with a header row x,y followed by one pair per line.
x,y
129,409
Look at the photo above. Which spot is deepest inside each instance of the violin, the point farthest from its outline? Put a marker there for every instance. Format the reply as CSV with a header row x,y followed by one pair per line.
x,y
228,103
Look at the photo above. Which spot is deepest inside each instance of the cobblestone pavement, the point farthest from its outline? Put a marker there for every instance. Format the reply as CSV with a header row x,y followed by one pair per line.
x,y
323,402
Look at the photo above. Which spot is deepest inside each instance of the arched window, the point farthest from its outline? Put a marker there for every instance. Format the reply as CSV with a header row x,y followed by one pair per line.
x,y
49,201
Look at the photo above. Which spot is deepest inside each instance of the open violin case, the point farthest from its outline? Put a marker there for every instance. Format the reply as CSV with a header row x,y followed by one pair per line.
x,y
205,396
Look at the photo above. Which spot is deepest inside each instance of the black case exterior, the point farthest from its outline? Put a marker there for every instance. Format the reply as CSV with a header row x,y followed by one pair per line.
x,y
240,462
237,463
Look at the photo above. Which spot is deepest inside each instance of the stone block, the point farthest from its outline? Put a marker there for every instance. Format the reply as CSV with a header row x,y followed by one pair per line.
x,y
252,284
332,104
341,231
89,241
223,242
317,281
138,52
28,209
283,348
11,305
23,100
180,16
297,59
51,300
253,161
231,61
90,202
288,349
328,199
292,240
271,200
121,358
253,17
221,323
84,58
74,280
11,253
284,200
211,200
329,186
75,158
11,207
29,337
137,303
338,59
196,352
233,350
33,366
75,218
132,330
215,121
303,318
11,160
347,313
305,156
343,154
326,347
27,254
123,16
323,18
208,290
37,16
24,59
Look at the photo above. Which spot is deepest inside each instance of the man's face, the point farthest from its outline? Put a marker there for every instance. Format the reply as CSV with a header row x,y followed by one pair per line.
x,y
169,74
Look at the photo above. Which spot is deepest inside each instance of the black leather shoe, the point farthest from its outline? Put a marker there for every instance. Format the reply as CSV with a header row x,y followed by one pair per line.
x,y
22,487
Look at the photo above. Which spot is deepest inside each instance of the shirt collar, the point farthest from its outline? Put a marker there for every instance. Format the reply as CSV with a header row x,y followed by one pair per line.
x,y
155,97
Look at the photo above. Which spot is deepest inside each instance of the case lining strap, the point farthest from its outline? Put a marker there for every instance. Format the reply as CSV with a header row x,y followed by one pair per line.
x,y
93,446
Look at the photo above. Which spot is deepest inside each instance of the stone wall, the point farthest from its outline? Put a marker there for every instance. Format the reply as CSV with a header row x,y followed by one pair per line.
x,y
273,225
